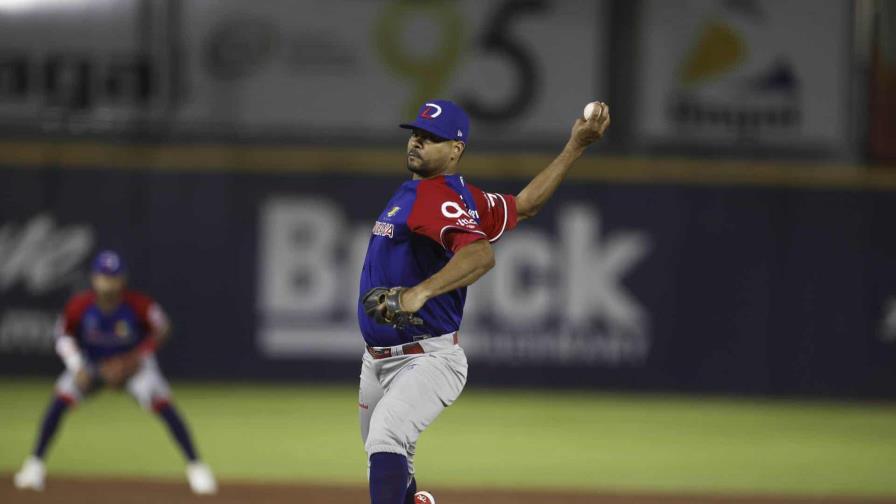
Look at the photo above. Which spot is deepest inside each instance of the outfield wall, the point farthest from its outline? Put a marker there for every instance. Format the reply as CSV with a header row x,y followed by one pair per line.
x,y
770,284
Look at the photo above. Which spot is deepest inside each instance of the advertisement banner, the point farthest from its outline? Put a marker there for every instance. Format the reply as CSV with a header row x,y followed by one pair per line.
x,y
758,290
327,70
745,74
78,66
581,313
354,69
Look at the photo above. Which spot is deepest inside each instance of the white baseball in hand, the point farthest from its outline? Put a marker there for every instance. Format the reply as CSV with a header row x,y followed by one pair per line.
x,y
590,109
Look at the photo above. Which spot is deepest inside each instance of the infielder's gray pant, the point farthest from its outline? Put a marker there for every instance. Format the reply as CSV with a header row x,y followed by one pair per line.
x,y
147,385
400,396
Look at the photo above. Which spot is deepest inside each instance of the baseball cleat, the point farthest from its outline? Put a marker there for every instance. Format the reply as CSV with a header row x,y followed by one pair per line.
x,y
32,474
423,497
202,481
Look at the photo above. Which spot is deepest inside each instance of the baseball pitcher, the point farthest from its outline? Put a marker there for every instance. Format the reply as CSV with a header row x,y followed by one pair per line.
x,y
432,240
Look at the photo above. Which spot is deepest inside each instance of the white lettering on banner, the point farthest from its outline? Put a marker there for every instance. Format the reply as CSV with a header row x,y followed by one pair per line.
x,y
549,299
597,318
519,301
41,256
594,271
298,271
91,74
518,48
24,330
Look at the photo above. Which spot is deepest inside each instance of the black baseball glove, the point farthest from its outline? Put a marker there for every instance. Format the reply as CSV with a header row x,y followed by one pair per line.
x,y
383,305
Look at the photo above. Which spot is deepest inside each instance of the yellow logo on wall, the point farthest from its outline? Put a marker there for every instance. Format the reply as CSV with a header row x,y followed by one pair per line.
x,y
718,50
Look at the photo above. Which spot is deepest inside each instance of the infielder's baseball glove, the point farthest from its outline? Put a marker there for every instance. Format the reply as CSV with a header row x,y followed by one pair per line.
x,y
116,370
383,305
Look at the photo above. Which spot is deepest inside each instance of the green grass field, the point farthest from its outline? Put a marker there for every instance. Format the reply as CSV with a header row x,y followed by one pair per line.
x,y
506,438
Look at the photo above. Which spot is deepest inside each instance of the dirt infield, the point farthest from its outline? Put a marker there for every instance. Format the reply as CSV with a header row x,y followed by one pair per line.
x,y
122,491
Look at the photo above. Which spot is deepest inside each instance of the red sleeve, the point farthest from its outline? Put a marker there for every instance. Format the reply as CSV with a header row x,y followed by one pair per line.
x,y
74,312
149,315
440,214
497,212
140,303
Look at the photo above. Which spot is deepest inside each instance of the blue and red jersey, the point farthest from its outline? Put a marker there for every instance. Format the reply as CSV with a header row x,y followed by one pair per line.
x,y
423,225
134,322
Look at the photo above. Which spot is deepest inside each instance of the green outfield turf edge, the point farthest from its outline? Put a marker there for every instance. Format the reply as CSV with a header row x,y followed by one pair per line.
x,y
490,438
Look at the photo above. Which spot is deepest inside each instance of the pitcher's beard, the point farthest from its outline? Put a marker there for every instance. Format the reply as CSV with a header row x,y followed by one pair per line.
x,y
419,168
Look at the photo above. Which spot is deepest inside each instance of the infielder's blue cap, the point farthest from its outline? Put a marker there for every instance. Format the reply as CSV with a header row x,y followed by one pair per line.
x,y
442,118
108,262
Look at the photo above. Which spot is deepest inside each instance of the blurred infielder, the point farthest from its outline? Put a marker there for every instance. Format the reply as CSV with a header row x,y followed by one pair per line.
x,y
108,336
431,241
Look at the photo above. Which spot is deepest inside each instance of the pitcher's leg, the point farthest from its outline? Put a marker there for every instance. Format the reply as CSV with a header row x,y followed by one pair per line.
x,y
413,399
412,484
369,394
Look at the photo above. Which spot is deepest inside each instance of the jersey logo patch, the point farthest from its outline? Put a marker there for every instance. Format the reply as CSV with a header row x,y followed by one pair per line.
x,y
393,212
452,210
384,229
465,219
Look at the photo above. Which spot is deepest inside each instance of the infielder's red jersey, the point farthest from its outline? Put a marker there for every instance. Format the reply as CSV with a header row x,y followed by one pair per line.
x,y
421,228
100,334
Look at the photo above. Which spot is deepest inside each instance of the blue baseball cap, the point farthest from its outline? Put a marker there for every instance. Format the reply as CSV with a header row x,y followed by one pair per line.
x,y
108,262
442,118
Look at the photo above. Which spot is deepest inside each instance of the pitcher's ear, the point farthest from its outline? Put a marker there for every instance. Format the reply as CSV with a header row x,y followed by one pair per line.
x,y
459,148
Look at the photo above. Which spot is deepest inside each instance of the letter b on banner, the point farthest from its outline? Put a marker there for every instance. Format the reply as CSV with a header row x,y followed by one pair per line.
x,y
297,271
